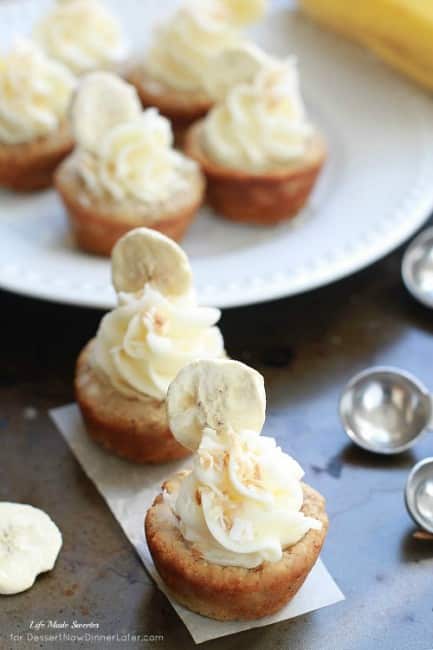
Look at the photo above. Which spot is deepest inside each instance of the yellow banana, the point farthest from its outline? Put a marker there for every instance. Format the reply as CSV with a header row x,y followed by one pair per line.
x,y
398,31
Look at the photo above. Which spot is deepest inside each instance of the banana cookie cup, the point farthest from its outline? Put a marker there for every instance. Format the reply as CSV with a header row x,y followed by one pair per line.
x,y
235,537
123,374
260,154
174,74
35,136
124,172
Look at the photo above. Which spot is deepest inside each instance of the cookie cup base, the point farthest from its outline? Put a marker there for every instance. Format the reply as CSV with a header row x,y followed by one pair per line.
x,y
30,166
136,430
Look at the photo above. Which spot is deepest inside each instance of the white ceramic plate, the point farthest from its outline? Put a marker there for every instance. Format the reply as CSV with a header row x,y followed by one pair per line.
x,y
376,189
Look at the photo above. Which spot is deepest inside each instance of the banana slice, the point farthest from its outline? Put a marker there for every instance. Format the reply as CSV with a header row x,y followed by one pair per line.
x,y
232,67
102,101
144,255
29,545
221,394
243,12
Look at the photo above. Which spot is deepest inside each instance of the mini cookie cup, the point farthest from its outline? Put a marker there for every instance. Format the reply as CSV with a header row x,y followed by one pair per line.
x,y
229,592
264,198
98,222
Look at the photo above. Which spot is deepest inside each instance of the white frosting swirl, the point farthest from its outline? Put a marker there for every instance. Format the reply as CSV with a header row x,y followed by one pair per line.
x,y
35,92
260,125
185,44
143,343
241,504
82,34
135,159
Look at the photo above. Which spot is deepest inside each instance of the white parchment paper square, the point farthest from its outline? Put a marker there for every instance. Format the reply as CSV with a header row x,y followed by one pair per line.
x,y
129,490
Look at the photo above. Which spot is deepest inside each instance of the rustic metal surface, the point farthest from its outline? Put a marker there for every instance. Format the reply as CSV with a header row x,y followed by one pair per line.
x,y
307,347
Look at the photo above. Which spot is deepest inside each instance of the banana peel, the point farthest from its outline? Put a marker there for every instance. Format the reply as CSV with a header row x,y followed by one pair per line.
x,y
400,32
